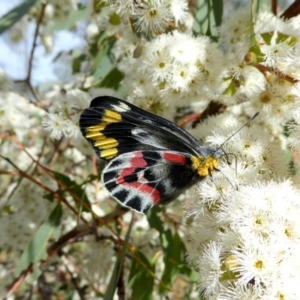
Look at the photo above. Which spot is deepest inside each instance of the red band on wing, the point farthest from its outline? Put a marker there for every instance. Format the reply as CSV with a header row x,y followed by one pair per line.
x,y
147,189
120,180
137,161
174,158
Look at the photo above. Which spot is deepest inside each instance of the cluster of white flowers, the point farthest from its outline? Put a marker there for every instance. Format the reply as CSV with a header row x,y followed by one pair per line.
x,y
18,118
175,68
240,212
22,205
18,115
150,16
246,233
63,116
246,243
62,120
55,12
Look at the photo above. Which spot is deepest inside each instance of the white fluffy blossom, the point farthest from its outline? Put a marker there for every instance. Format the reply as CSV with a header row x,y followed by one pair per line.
x,y
18,115
151,16
63,118
174,68
263,220
247,214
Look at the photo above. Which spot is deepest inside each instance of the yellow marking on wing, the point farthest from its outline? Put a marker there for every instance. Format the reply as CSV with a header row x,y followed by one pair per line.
x,y
96,128
111,116
204,165
109,153
95,135
94,132
109,120
106,143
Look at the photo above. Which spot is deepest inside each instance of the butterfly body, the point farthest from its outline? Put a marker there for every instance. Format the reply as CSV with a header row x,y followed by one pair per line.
x,y
149,159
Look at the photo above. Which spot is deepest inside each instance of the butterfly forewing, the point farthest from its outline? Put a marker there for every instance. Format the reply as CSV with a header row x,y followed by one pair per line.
x,y
113,127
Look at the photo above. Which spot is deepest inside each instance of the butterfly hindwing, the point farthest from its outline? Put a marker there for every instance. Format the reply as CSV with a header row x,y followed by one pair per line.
x,y
113,126
141,179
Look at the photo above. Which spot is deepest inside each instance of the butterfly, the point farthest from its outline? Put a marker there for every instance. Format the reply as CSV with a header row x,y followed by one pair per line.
x,y
150,160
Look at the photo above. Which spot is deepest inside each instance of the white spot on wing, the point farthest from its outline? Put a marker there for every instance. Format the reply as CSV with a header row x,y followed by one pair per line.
x,y
121,107
139,132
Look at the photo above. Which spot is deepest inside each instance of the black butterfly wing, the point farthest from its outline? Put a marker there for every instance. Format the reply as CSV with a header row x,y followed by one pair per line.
x,y
150,159
113,126
142,179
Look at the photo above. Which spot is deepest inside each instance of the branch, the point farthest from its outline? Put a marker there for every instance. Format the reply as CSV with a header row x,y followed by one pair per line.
x,y
27,80
274,7
38,183
214,108
278,73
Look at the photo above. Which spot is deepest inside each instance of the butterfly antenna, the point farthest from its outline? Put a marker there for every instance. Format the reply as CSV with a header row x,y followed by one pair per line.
x,y
226,154
255,115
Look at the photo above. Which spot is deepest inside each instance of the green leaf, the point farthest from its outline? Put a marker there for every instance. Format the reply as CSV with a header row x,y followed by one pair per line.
x,y
174,251
110,292
112,79
231,88
37,248
16,14
154,218
290,40
49,197
100,66
98,5
102,61
267,36
140,280
71,20
213,10
115,19
255,50
77,62
93,177
201,22
217,6
208,17
74,189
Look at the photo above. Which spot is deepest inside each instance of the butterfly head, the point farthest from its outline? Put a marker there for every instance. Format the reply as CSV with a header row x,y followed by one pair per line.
x,y
208,161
